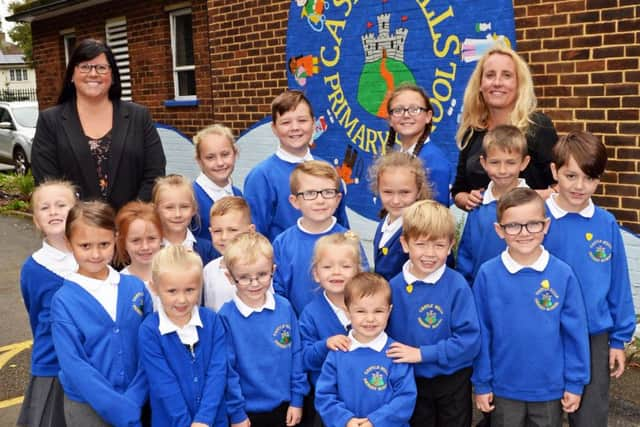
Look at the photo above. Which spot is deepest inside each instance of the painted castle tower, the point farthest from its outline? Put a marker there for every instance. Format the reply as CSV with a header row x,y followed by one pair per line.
x,y
391,45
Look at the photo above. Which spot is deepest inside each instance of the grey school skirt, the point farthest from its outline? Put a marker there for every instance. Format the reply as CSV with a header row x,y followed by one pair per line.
x,y
43,403
78,414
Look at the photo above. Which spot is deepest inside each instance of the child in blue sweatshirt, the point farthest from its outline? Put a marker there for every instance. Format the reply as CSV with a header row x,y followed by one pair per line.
x,y
410,120
182,346
266,187
400,180
588,238
324,322
434,319
503,157
266,383
216,154
96,316
534,357
175,202
362,386
41,276
315,191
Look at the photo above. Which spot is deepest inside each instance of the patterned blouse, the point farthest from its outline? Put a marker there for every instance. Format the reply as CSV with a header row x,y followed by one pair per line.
x,y
101,151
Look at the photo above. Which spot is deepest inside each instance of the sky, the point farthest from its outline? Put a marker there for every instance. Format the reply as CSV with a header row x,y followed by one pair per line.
x,y
6,26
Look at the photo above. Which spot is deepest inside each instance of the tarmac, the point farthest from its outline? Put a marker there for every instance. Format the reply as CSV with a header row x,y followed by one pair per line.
x,y
19,239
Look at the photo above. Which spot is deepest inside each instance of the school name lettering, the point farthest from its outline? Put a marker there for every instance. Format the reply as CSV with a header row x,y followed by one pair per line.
x,y
441,88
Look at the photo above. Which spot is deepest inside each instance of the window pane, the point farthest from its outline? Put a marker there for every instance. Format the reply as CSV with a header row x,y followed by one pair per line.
x,y
186,83
24,75
12,74
184,40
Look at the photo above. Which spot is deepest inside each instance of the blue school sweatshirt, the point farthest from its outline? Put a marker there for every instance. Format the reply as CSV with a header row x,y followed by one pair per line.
x,y
365,383
535,343
38,285
264,359
293,254
594,248
439,171
479,241
205,249
185,388
99,357
440,318
205,203
388,260
267,190
318,322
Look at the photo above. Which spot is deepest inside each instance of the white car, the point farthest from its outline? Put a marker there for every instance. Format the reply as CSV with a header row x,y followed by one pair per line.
x,y
17,128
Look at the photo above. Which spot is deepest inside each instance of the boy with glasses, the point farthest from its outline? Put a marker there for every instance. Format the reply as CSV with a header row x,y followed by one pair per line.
x,y
266,185
588,238
534,355
315,192
503,157
266,383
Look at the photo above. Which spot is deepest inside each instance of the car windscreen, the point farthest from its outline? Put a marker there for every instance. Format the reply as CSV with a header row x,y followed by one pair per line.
x,y
26,116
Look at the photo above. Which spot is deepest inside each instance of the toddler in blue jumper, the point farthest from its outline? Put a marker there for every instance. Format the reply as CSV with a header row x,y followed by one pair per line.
x,y
363,386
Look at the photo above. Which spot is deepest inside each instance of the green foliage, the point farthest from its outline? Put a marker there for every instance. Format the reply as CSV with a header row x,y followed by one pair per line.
x,y
15,192
21,33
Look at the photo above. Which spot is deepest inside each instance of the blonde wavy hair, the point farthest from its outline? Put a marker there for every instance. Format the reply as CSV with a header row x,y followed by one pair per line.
x,y
475,114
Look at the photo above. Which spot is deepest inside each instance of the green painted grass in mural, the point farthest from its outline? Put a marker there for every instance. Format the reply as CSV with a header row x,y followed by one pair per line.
x,y
373,87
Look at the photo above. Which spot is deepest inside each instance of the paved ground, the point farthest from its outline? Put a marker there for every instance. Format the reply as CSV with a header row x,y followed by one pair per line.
x,y
19,239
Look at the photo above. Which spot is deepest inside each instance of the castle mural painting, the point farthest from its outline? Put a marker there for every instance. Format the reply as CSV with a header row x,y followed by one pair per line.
x,y
348,55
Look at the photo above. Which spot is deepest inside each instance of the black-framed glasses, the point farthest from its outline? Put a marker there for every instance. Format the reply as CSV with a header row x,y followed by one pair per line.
x,y
100,68
413,111
327,193
514,228
263,278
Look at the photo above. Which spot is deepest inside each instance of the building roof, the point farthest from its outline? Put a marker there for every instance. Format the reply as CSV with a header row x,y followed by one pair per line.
x,y
11,59
43,9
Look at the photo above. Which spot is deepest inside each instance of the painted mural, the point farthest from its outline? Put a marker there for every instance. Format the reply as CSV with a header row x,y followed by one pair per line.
x,y
347,55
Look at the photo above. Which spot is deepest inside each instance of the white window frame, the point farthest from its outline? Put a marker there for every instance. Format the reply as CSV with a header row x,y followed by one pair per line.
x,y
67,35
175,68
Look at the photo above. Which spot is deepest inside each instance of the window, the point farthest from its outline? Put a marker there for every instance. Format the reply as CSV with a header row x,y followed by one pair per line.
x,y
24,75
116,35
184,70
69,44
12,75
18,74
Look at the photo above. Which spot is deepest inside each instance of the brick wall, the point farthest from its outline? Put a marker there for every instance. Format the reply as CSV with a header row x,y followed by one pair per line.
x,y
584,55
248,40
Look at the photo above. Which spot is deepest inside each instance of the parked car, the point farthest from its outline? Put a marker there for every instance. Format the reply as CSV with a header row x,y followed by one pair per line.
x,y
17,128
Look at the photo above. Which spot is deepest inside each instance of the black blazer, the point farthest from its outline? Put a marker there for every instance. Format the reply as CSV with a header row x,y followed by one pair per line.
x,y
60,150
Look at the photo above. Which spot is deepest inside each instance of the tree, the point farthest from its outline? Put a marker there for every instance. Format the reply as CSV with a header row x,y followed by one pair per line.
x,y
21,32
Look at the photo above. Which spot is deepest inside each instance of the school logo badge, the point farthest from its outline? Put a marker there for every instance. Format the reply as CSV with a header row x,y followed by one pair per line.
x,y
376,377
137,303
600,250
431,316
348,55
282,335
546,297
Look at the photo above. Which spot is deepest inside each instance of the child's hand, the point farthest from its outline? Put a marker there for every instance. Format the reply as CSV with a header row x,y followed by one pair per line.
x,y
199,425
402,353
469,201
357,422
366,423
617,359
294,415
570,402
338,342
245,423
484,402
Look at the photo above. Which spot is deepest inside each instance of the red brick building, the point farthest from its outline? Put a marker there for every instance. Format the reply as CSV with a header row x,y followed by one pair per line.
x,y
584,55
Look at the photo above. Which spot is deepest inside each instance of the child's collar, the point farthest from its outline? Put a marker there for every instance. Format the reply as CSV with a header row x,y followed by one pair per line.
x,y
188,334
376,344
431,278
488,197
246,311
513,266
290,158
326,230
557,212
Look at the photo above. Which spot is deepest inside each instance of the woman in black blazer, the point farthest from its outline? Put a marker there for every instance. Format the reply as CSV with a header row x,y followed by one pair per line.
x,y
107,147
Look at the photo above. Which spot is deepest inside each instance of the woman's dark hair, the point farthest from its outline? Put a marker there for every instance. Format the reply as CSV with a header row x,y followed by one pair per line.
x,y
86,50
